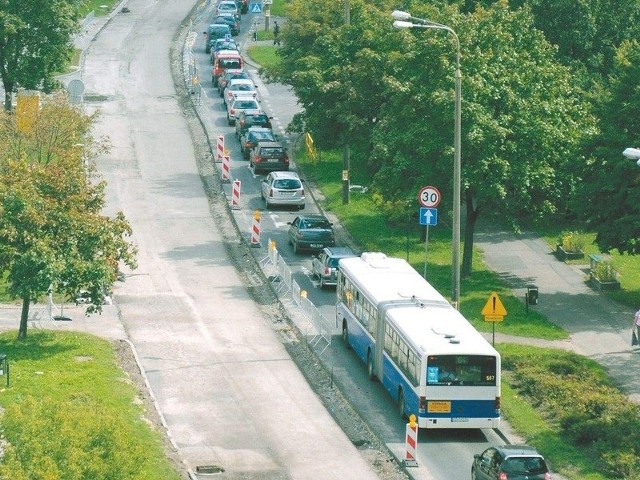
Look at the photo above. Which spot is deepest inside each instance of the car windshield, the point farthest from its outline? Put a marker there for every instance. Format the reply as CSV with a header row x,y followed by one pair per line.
x,y
245,104
287,184
257,119
242,87
315,223
333,262
524,465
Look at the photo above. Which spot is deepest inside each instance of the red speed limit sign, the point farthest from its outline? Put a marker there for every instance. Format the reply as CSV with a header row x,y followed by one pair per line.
x,y
429,197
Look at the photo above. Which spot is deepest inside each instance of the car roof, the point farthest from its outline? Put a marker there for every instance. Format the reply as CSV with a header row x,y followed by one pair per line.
x,y
312,216
339,251
279,174
228,53
270,145
517,450
216,25
241,81
259,129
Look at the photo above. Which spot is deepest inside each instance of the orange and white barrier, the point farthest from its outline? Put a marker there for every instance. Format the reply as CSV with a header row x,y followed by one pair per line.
x,y
255,229
220,148
235,194
411,443
226,168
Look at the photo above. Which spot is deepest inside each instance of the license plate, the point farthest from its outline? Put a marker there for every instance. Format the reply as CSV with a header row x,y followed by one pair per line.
x,y
272,160
316,245
459,419
438,407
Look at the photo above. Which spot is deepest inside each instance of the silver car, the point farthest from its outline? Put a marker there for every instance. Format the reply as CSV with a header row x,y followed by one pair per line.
x,y
283,188
325,264
239,104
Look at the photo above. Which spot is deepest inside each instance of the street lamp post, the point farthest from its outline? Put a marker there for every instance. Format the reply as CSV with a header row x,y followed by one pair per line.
x,y
405,20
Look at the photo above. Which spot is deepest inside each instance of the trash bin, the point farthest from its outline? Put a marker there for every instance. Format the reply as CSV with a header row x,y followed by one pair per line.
x,y
532,294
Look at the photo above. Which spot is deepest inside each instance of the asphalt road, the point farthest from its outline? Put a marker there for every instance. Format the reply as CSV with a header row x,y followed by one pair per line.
x,y
230,394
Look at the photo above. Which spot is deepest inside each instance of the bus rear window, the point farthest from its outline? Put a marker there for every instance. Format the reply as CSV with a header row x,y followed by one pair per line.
x,y
470,370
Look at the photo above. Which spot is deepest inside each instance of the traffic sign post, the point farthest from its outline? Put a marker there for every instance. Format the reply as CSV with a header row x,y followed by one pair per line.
x,y
429,197
493,312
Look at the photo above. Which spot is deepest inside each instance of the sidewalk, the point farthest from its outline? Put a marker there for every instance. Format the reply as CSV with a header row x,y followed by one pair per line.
x,y
599,328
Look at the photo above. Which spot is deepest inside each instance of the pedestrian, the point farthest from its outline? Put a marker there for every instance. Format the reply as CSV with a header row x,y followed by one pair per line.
x,y
276,33
635,335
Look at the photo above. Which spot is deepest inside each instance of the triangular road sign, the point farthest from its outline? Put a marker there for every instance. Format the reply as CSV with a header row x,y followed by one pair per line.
x,y
256,8
494,306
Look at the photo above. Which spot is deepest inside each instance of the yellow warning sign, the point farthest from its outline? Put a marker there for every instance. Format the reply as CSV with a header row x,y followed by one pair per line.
x,y
494,310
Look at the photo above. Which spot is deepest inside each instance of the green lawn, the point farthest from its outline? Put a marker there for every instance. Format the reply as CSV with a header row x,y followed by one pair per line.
x,y
70,412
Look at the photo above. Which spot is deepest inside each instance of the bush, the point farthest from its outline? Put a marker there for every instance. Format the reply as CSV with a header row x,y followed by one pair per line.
x,y
605,272
571,241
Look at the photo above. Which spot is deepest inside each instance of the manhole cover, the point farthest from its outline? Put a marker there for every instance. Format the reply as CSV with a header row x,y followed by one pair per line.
x,y
208,469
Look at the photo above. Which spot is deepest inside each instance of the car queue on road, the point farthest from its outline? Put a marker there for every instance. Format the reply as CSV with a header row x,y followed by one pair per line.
x,y
310,237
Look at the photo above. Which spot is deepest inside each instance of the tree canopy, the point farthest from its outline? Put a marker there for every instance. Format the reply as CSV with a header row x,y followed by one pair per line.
x,y
53,233
523,115
35,43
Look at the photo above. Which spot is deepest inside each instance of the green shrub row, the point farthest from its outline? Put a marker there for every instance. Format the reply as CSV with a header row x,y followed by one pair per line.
x,y
575,396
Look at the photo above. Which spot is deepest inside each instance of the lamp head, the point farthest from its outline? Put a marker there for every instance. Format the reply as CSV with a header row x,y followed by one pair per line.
x,y
632,153
401,24
400,15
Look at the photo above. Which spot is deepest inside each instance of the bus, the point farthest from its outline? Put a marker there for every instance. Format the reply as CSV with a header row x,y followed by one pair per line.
x,y
430,359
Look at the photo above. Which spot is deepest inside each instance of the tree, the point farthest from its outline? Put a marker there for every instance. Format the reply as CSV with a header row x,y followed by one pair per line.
x,y
52,230
523,119
610,199
35,43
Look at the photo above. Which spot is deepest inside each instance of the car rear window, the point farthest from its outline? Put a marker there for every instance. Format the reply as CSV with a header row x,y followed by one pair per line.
x,y
287,184
524,465
258,119
245,104
324,224
272,152
229,63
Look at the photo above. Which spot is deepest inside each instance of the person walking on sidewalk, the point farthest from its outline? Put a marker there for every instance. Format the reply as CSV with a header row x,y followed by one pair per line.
x,y
635,336
276,33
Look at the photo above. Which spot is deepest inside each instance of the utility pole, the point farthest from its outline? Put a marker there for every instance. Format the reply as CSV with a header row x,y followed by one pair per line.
x,y
346,160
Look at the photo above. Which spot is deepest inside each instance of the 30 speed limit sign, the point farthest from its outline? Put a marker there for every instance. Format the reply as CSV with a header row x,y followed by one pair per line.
x,y
429,197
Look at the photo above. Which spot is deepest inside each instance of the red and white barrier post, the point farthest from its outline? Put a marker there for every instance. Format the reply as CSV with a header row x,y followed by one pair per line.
x,y
410,459
226,168
235,194
255,230
220,148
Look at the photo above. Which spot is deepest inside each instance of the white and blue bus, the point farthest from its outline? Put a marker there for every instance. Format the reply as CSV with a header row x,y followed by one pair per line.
x,y
431,360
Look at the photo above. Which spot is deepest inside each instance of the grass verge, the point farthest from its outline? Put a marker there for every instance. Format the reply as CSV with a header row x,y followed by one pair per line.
x,y
71,412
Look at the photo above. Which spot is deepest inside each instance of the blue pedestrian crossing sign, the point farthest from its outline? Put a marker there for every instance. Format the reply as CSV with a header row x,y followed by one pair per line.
x,y
428,216
256,8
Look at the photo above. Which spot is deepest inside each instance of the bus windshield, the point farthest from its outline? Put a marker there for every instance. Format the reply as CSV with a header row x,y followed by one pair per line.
x,y
468,370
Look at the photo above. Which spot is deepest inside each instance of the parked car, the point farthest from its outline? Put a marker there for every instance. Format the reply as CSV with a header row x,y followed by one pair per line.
x,y
214,32
241,104
282,188
222,44
231,20
243,5
227,7
252,137
510,462
231,74
268,157
246,120
225,60
325,264
311,232
239,87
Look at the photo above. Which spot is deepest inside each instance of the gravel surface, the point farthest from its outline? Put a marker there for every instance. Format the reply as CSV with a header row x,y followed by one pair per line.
x,y
371,448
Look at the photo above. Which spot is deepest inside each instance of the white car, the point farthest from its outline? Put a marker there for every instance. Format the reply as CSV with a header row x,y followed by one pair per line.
x,y
227,7
239,87
240,104
283,188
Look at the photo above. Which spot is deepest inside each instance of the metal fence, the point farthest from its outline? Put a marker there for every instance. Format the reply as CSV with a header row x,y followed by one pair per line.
x,y
281,278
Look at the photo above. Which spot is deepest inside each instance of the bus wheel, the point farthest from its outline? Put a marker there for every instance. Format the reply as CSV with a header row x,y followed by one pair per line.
x,y
370,370
345,335
401,403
